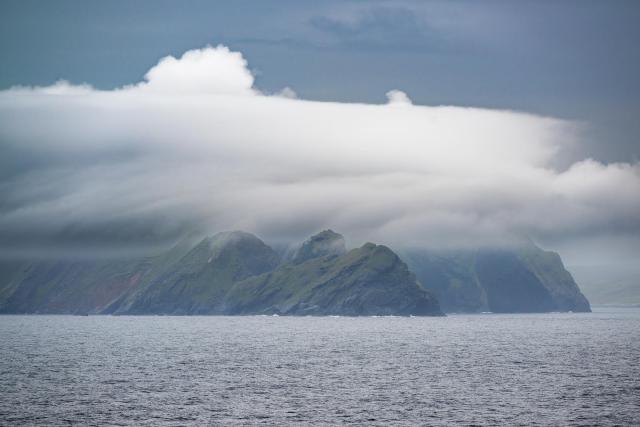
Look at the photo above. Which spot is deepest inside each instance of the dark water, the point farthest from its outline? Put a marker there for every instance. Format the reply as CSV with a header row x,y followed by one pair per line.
x,y
548,369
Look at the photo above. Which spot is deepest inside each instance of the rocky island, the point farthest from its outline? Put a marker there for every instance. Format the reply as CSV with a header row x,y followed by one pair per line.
x,y
232,273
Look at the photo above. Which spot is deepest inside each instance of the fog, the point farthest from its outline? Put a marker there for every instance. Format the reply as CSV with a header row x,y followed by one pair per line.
x,y
195,148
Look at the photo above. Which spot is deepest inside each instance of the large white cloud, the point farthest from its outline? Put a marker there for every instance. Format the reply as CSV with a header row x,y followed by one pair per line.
x,y
196,147
209,70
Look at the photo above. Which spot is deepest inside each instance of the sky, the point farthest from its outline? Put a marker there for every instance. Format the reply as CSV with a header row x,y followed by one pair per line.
x,y
422,123
576,60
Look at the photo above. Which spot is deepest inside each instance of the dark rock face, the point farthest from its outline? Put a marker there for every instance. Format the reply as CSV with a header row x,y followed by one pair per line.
x,y
509,285
549,269
523,279
450,277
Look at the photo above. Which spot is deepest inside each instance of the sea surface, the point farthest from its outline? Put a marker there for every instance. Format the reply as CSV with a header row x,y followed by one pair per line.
x,y
527,369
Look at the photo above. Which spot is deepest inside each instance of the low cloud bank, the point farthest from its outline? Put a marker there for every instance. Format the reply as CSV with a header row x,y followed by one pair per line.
x,y
196,148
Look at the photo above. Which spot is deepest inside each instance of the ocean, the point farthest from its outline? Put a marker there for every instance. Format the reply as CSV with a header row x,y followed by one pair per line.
x,y
485,369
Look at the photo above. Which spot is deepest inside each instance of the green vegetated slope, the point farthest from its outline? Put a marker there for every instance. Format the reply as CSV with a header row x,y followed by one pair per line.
x,y
68,286
198,282
521,279
370,280
228,273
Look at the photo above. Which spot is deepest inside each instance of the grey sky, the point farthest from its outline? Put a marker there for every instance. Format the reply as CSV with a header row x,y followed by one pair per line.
x,y
197,144
571,59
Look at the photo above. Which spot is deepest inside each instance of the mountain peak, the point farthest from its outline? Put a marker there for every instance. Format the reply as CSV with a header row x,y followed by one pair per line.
x,y
232,236
327,242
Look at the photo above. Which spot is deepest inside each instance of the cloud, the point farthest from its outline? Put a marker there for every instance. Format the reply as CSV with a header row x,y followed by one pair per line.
x,y
197,148
200,71
398,97
287,92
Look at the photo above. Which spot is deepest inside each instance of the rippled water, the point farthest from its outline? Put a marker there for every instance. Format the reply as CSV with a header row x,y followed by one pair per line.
x,y
547,369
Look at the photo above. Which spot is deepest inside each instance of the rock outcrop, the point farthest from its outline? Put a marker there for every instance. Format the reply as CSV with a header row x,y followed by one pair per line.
x,y
521,279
